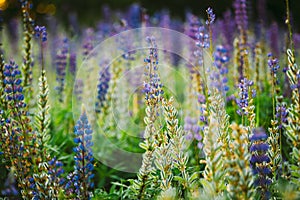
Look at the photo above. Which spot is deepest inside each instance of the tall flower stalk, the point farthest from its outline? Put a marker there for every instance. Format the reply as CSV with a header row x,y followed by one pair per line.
x,y
153,96
28,26
177,146
44,186
293,125
260,162
239,176
245,103
18,145
61,64
42,120
218,124
210,20
241,19
288,23
81,179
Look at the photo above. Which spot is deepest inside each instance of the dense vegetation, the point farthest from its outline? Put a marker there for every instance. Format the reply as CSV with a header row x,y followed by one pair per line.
x,y
209,111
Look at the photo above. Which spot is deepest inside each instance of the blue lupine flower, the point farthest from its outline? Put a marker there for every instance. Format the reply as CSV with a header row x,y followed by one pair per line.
x,y
258,135
153,87
61,64
281,115
193,131
41,33
260,162
259,147
134,16
73,63
273,64
221,59
13,87
211,16
88,45
80,181
243,100
55,171
202,38
274,38
241,17
102,88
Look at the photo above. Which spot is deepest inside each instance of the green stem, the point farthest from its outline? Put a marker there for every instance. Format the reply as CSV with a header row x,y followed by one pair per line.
x,y
288,22
273,95
257,108
210,40
205,85
281,152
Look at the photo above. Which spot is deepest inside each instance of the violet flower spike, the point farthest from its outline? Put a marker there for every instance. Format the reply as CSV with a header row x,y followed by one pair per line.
x,y
211,16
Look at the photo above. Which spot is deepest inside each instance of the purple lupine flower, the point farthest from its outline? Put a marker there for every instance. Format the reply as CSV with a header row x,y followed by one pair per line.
x,y
281,115
10,188
102,88
227,25
201,98
41,33
241,18
192,30
13,88
55,171
81,180
193,130
61,64
78,89
88,45
202,38
273,63
202,42
193,26
153,86
261,16
13,31
260,162
274,38
211,16
104,29
134,16
243,99
203,115
221,59
73,63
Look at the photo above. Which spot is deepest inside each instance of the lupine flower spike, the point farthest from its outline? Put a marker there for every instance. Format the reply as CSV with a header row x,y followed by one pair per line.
x,y
211,18
80,182
260,162
28,29
153,95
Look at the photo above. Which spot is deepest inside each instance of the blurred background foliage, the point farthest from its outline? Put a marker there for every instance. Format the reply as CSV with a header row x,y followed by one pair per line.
x,y
88,12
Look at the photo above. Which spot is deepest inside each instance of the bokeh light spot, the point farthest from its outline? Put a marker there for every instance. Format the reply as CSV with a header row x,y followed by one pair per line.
x,y
3,4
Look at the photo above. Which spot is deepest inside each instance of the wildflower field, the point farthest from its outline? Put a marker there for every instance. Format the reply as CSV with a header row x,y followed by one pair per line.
x,y
147,106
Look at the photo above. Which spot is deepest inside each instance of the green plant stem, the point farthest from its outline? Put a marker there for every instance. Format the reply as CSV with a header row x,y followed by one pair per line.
x,y
257,108
273,94
210,40
281,152
205,85
288,22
